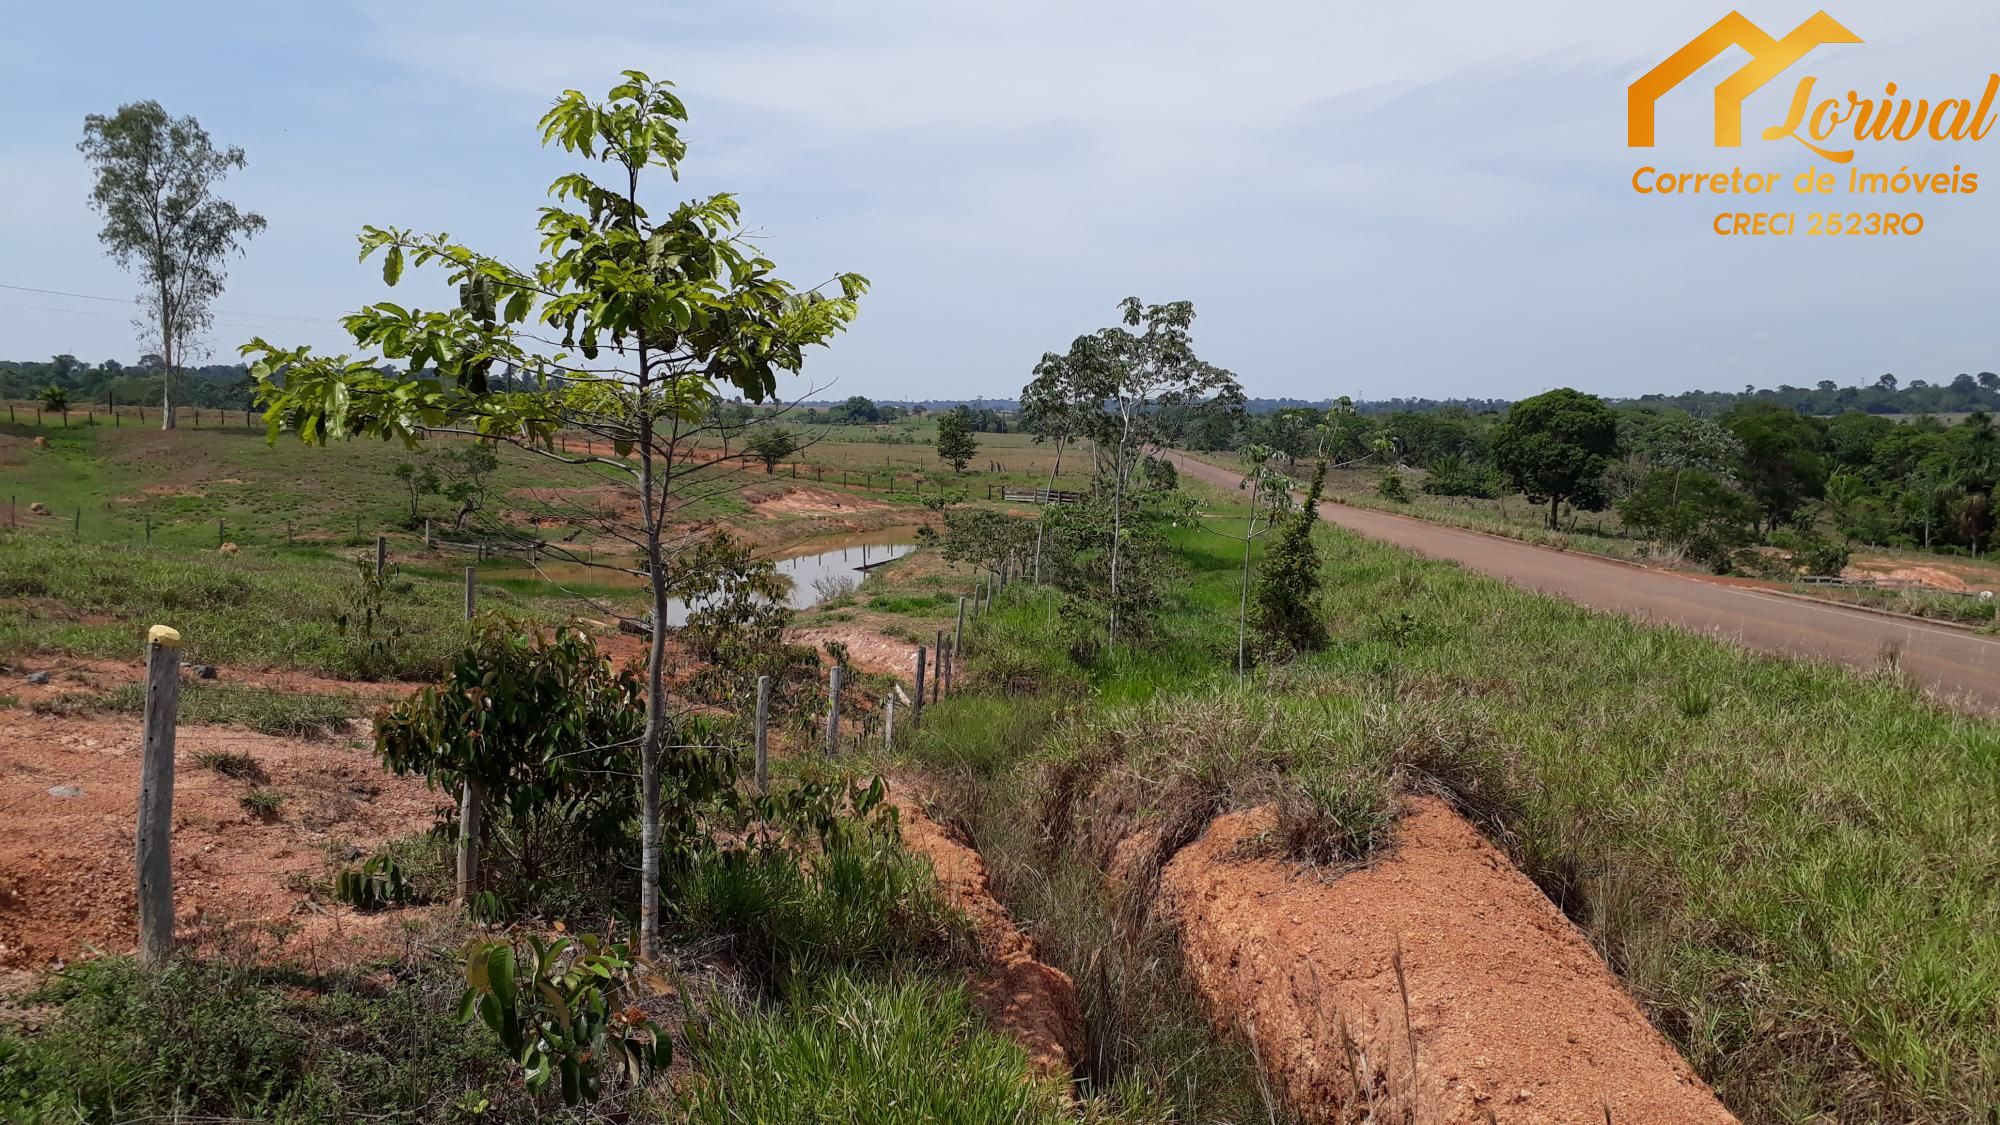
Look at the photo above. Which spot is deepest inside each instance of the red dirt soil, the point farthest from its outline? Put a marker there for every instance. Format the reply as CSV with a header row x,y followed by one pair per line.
x,y
867,650
1030,1001
1510,1010
75,674
66,867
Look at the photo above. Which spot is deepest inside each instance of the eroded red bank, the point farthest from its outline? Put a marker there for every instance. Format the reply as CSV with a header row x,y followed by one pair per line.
x,y
1509,1012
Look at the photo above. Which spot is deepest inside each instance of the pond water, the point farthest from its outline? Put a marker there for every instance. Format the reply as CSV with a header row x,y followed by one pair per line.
x,y
816,567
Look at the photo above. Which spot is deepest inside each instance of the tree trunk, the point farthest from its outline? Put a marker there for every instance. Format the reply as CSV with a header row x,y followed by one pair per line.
x,y
652,744
167,356
1041,522
1117,522
1555,513
1243,598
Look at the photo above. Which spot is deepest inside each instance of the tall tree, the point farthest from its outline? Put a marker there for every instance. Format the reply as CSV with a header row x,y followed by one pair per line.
x,y
1114,378
654,313
1783,463
955,443
1556,446
1051,416
156,182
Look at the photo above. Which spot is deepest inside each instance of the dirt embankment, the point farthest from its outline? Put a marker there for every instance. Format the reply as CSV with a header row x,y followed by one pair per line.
x,y
1024,998
1437,985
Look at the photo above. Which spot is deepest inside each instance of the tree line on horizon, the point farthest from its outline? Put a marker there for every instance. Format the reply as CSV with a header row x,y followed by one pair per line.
x,y
1706,486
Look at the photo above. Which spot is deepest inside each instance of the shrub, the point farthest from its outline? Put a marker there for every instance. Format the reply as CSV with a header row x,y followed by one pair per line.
x,y
1285,609
1450,475
550,731
1391,487
262,803
820,880
230,763
562,1010
1337,816
377,883
1811,552
216,1040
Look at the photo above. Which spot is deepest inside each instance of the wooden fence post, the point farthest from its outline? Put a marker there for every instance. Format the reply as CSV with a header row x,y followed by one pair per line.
x,y
471,595
958,633
763,745
428,542
381,555
471,810
149,528
889,721
937,674
76,528
156,796
833,712
917,704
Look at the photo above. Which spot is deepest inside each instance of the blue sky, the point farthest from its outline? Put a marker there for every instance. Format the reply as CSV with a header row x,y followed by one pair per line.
x,y
1373,200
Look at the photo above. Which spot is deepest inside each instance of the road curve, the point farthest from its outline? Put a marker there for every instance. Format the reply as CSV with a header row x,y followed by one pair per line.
x,y
1957,666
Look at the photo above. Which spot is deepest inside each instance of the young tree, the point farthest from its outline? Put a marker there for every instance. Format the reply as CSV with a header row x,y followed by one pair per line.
x,y
955,443
1287,610
1050,416
156,182
626,331
1113,379
55,399
1556,446
771,445
1270,495
419,479
466,475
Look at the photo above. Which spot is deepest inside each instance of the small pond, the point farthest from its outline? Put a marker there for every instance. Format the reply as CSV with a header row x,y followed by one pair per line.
x,y
814,566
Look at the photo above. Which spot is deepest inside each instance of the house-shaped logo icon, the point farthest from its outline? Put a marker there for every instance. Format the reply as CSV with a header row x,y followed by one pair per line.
x,y
1768,57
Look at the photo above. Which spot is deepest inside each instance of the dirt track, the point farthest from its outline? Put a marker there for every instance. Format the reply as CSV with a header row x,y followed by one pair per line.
x,y
1954,664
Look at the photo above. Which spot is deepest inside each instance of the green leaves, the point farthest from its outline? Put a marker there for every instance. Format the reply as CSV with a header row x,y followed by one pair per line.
x,y
560,1010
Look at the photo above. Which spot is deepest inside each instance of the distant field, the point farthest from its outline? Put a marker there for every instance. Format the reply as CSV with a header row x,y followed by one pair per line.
x,y
104,483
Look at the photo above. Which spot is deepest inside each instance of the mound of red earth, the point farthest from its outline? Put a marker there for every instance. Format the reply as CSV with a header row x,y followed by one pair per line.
x,y
1436,985
1032,1002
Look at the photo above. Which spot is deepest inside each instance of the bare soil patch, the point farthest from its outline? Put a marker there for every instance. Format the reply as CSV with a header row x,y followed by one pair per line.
x,y
73,674
867,650
1509,1011
1024,998
1940,576
806,500
66,862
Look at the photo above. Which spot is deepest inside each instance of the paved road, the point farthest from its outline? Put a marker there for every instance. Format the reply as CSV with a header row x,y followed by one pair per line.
x,y
1954,663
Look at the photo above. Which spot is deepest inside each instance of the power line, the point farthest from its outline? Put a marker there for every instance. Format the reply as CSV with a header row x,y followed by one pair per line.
x,y
129,300
327,329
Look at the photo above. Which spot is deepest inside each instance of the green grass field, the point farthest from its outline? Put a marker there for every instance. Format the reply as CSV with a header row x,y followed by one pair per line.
x,y
104,484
